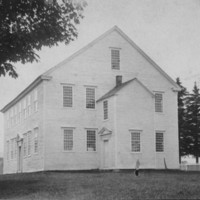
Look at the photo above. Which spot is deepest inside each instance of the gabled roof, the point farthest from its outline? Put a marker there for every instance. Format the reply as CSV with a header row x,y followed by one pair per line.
x,y
116,89
38,80
118,30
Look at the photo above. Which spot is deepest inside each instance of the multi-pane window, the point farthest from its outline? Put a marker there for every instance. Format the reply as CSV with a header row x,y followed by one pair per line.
x,y
105,109
35,100
159,142
36,131
25,144
91,140
11,116
12,149
29,143
7,148
67,96
135,141
68,139
158,102
15,147
28,105
19,112
90,98
24,109
115,58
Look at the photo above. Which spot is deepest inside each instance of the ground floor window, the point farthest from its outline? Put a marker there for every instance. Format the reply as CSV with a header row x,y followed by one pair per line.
x,y
159,141
68,139
135,141
91,140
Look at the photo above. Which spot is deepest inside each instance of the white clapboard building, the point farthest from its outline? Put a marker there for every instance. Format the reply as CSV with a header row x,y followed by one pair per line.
x,y
105,107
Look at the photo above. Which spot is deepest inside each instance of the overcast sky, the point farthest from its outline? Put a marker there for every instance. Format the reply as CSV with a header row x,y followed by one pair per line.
x,y
167,30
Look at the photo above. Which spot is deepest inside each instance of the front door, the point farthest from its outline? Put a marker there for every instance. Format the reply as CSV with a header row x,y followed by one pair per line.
x,y
106,154
19,157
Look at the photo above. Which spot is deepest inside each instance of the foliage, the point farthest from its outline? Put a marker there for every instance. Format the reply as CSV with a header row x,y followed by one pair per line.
x,y
193,122
28,25
182,123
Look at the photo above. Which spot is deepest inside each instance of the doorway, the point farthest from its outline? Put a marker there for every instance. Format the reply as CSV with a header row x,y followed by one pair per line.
x,y
19,157
106,154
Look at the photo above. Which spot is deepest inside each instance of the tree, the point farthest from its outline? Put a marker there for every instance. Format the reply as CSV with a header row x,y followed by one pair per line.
x,y
193,121
28,25
182,123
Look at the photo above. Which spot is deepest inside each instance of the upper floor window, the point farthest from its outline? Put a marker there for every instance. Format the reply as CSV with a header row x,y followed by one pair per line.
x,y
29,105
158,102
159,141
105,109
91,140
115,58
67,96
68,139
24,109
35,100
135,141
90,98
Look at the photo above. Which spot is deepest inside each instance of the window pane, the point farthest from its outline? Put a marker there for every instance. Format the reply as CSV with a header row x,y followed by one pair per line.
x,y
105,109
135,141
90,98
158,102
159,142
67,96
91,140
115,59
68,140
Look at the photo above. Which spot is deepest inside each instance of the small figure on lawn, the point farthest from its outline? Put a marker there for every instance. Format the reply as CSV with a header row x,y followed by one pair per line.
x,y
137,165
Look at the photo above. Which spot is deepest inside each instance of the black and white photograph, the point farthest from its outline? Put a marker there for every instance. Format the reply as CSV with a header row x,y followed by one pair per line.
x,y
99,99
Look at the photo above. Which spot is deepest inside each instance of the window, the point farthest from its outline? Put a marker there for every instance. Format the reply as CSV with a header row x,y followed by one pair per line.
x,y
14,115
25,144
29,105
36,131
67,96
158,102
19,112
135,141
12,149
11,116
15,147
68,139
7,145
159,142
90,98
91,140
35,100
105,109
24,109
115,59
29,142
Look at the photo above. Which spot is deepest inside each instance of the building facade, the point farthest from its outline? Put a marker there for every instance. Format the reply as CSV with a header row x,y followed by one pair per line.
x,y
104,107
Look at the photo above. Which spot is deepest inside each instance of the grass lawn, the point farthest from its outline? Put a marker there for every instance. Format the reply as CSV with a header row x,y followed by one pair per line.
x,y
101,185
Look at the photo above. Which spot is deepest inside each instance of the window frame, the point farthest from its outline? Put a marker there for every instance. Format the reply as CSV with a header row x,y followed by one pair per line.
x,y
118,62
105,110
63,139
132,131
162,102
163,141
72,96
94,148
35,100
36,140
86,104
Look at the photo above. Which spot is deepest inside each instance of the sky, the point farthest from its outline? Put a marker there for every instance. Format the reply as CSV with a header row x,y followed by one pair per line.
x,y
167,30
